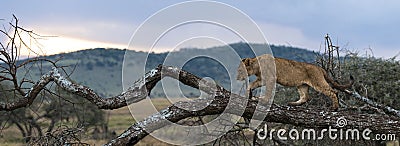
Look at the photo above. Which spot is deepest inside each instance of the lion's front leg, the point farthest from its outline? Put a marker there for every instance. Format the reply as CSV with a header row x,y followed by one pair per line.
x,y
253,85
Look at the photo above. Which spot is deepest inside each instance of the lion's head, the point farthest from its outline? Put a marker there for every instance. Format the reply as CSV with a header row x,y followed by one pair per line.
x,y
245,69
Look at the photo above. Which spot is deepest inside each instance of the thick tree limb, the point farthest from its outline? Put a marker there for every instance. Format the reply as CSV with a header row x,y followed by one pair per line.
x,y
299,116
316,118
137,92
55,76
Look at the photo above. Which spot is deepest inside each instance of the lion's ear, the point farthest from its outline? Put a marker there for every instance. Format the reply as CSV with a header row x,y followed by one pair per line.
x,y
246,61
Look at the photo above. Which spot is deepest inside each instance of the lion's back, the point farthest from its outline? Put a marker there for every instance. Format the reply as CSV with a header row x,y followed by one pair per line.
x,y
293,73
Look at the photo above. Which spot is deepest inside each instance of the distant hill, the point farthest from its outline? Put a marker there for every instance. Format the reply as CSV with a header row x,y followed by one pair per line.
x,y
101,69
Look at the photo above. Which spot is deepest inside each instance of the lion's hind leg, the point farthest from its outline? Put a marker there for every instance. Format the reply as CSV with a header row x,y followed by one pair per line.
x,y
324,88
303,91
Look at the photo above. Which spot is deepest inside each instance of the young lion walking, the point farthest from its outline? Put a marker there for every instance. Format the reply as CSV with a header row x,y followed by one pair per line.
x,y
291,73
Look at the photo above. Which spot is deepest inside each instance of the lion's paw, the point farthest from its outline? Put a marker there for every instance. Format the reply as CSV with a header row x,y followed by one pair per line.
x,y
255,98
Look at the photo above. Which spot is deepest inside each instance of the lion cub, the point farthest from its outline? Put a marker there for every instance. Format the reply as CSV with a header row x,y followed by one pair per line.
x,y
290,73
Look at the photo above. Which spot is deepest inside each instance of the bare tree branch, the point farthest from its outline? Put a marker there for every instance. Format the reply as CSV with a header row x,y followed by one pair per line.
x,y
299,116
139,91
317,118
386,109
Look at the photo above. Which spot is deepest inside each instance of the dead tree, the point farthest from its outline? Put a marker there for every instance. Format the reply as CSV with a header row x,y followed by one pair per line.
x,y
330,59
14,75
221,98
331,62
317,118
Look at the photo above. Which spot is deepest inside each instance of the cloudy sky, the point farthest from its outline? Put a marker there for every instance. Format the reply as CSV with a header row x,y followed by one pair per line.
x,y
352,24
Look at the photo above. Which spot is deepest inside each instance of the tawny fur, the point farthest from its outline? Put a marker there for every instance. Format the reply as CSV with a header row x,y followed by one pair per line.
x,y
290,73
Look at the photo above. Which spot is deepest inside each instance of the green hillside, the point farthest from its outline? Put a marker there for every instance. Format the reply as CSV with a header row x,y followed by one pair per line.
x,y
101,69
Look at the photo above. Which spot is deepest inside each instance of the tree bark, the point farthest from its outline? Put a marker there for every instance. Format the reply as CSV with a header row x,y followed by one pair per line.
x,y
222,98
298,116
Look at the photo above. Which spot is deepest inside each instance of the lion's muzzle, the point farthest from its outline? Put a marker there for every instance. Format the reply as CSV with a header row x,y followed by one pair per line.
x,y
240,77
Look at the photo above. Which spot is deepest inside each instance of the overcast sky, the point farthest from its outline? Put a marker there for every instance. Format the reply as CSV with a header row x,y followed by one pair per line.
x,y
352,24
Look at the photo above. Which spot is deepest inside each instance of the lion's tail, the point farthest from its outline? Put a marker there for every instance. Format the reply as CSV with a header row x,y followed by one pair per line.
x,y
336,84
